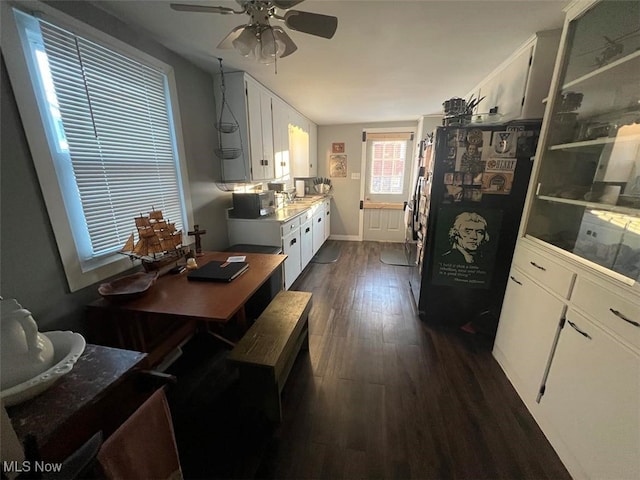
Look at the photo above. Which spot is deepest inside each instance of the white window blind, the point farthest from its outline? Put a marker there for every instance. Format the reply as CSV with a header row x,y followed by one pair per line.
x,y
388,160
113,121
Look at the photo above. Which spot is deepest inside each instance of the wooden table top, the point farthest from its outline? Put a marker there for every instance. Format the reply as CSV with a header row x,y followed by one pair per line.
x,y
211,301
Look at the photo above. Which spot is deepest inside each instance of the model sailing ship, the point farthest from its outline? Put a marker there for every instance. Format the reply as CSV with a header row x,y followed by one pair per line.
x,y
159,243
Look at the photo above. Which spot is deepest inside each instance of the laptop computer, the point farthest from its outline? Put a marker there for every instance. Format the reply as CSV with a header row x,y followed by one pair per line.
x,y
217,271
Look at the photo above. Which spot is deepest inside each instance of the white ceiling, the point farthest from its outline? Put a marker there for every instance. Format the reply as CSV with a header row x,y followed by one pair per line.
x,y
388,61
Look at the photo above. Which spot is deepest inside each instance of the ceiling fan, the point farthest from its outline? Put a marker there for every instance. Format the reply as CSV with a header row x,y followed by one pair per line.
x,y
258,39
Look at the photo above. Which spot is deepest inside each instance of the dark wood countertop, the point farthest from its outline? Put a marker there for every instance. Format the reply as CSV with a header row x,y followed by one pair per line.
x,y
67,404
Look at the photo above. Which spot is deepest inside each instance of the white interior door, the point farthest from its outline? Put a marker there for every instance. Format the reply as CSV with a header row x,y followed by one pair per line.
x,y
387,172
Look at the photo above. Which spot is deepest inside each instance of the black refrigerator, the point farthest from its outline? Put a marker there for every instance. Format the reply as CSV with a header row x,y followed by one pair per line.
x,y
477,180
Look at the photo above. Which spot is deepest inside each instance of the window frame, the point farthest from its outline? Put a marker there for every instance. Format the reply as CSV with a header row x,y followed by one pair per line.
x,y
78,275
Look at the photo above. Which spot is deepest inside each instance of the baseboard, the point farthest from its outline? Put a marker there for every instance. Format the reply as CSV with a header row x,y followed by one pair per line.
x,y
346,238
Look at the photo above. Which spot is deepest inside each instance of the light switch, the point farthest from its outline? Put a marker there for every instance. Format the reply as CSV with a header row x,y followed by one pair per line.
x,y
355,176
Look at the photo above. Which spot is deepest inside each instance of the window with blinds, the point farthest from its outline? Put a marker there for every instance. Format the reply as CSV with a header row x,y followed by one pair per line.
x,y
388,162
108,122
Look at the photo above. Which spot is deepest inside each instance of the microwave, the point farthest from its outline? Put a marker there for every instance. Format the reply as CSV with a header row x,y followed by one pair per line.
x,y
254,205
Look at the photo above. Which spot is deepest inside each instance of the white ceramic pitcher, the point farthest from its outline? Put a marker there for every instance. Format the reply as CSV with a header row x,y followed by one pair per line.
x,y
24,352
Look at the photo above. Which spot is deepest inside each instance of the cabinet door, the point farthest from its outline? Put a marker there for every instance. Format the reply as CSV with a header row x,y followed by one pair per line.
x,y
313,150
280,138
291,248
260,131
299,144
506,89
592,398
327,218
306,235
529,322
318,229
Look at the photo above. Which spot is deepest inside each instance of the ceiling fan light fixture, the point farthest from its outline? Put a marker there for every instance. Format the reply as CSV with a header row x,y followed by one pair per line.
x,y
247,42
272,44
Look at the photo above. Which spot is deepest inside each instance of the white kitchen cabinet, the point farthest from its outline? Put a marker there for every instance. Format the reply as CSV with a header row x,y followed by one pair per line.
x,y
306,237
327,218
250,104
318,228
281,155
529,322
274,141
313,152
291,245
260,131
516,88
300,236
591,398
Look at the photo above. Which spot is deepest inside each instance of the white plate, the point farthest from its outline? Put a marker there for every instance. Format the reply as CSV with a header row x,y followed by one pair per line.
x,y
67,348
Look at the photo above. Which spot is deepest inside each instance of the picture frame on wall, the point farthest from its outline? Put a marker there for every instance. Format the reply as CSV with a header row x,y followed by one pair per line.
x,y
338,166
337,147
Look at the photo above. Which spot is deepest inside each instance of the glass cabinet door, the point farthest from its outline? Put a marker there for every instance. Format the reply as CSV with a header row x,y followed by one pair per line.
x,y
587,198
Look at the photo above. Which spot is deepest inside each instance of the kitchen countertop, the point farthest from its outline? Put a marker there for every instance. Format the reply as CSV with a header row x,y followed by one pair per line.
x,y
292,210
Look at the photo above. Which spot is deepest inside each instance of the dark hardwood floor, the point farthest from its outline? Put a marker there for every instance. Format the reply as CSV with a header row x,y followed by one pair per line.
x,y
380,394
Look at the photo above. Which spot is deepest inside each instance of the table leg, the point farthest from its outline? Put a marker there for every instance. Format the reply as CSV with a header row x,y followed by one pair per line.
x,y
241,319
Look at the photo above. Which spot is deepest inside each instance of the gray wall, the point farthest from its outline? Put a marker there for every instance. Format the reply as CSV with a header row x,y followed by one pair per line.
x,y
30,267
345,209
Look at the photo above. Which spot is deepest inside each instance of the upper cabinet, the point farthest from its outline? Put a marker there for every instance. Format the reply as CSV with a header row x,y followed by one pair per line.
x,y
516,89
271,135
586,194
260,131
281,151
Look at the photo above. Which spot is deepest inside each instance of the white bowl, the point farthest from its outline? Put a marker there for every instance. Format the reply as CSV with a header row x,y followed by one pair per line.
x,y
67,348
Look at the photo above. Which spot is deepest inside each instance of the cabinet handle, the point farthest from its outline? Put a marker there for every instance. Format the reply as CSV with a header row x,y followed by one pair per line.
x,y
515,280
623,317
307,230
538,266
293,241
575,327
320,219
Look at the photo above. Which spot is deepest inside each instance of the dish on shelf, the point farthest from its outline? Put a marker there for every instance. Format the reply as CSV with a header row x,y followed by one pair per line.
x,y
129,287
632,201
67,348
486,118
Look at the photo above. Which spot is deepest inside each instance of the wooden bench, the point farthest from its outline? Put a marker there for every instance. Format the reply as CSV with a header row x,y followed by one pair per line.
x,y
265,354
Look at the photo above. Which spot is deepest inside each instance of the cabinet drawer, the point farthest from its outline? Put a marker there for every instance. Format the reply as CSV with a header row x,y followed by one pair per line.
x,y
290,226
619,314
543,269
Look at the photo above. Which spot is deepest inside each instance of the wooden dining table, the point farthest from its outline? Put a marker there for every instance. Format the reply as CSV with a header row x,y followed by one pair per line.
x,y
174,307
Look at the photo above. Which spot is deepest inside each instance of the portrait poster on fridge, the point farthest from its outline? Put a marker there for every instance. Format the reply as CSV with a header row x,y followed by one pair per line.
x,y
466,242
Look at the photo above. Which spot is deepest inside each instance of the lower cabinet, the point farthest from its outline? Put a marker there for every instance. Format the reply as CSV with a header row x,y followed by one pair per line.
x,y
569,342
318,229
300,237
306,236
528,327
291,246
592,399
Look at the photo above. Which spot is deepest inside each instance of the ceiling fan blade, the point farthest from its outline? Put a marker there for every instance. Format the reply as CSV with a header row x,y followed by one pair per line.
x,y
312,23
202,8
285,4
227,42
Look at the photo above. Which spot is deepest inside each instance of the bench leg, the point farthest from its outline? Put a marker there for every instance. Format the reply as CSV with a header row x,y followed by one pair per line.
x,y
260,390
